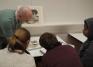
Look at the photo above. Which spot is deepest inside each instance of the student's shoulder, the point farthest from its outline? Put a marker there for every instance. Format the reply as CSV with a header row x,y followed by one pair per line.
x,y
67,45
29,56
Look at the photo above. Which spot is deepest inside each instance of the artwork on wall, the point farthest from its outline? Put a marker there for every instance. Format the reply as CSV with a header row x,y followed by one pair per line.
x,y
37,15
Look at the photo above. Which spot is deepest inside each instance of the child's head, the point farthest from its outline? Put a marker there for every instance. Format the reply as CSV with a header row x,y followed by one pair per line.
x,y
20,40
88,28
48,41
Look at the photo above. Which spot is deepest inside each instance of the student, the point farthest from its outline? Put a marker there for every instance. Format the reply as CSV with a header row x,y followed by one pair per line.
x,y
86,51
57,55
16,55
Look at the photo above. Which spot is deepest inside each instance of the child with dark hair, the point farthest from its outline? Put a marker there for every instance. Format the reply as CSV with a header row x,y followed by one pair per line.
x,y
16,55
58,55
86,50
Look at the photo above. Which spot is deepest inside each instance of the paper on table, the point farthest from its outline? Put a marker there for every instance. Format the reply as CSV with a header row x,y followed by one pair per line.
x,y
34,43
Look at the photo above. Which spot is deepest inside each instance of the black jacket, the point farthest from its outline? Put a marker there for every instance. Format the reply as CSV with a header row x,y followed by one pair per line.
x,y
86,54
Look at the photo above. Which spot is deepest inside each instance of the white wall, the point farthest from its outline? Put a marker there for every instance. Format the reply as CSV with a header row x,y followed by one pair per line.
x,y
57,11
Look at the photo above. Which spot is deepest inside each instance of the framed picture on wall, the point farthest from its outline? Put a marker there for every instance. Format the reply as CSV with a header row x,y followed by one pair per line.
x,y
37,15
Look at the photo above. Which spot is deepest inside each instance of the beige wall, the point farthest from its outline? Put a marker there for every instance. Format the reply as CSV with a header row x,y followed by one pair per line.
x,y
62,11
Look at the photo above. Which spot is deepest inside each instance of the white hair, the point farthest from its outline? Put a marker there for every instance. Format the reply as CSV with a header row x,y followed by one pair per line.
x,y
22,9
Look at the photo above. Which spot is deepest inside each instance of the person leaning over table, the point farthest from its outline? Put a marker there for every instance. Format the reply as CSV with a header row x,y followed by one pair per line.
x,y
11,19
58,54
16,54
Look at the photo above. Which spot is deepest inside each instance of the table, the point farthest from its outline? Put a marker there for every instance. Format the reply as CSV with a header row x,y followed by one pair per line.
x,y
79,36
35,49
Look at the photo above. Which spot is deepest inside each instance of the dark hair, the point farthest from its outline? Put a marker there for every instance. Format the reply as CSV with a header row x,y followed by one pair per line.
x,y
88,22
48,41
89,25
19,41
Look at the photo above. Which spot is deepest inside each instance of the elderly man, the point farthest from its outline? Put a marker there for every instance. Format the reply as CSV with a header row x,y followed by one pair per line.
x,y
10,20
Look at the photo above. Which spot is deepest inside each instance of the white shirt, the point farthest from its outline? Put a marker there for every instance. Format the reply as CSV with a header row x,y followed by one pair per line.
x,y
9,59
